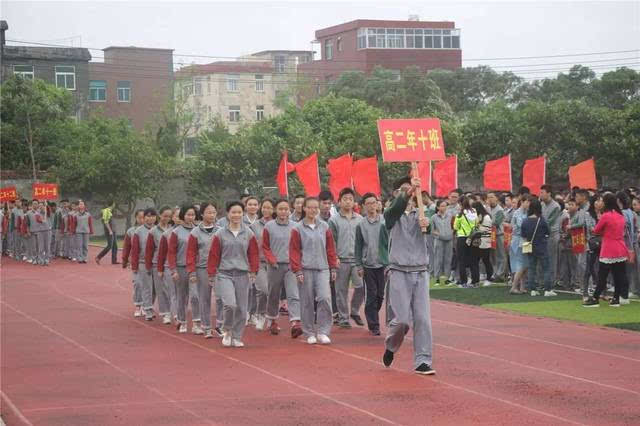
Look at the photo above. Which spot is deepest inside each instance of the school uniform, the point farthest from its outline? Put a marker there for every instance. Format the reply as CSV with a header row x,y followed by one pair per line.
x,y
580,220
231,257
3,231
312,254
259,302
343,230
29,227
139,265
68,242
566,259
429,211
163,268
275,247
58,229
295,217
15,228
83,227
442,232
369,261
408,282
198,247
253,292
160,289
177,258
553,215
42,236
499,254
126,252
73,241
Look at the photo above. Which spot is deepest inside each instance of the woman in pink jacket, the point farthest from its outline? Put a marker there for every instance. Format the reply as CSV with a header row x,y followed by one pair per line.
x,y
613,253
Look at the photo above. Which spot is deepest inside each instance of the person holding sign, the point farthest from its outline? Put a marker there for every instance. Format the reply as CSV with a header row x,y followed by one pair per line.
x,y
408,279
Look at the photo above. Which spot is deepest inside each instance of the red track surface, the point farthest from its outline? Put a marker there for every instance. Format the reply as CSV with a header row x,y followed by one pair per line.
x,y
73,354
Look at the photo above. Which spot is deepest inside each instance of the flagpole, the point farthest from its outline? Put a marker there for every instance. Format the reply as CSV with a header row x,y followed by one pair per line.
x,y
414,167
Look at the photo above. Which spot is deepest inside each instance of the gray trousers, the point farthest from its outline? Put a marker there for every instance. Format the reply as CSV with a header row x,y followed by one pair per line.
x,y
430,242
204,297
499,258
161,291
58,249
171,288
67,246
251,301
184,293
233,289
567,273
553,247
31,246
43,244
346,272
409,299
279,277
442,253
148,294
15,244
315,292
581,268
137,289
262,290
81,247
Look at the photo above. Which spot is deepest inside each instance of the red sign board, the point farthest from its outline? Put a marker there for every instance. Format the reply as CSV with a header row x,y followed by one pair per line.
x,y
45,191
411,140
578,240
8,193
508,233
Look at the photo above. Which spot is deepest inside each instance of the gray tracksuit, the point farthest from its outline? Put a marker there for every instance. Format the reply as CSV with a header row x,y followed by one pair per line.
x,y
177,259
443,245
166,276
259,292
138,263
160,289
137,285
499,254
84,228
42,235
275,248
408,282
198,249
344,234
17,216
553,216
30,238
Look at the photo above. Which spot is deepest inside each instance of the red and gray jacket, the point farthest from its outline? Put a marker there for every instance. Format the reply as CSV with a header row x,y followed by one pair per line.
x,y
275,241
83,223
163,250
312,247
152,249
198,247
258,227
231,253
126,250
177,250
138,247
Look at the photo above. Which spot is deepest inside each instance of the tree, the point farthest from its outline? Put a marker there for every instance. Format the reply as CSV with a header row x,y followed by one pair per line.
x,y
31,110
106,159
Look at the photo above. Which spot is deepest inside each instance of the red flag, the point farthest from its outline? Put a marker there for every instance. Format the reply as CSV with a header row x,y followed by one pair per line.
x,y
445,176
533,174
497,174
583,175
309,174
340,174
365,176
281,178
424,173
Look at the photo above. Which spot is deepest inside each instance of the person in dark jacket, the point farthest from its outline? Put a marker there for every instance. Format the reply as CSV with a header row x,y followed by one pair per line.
x,y
536,230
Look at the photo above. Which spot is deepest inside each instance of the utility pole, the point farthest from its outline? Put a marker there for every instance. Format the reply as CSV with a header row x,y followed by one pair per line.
x,y
3,27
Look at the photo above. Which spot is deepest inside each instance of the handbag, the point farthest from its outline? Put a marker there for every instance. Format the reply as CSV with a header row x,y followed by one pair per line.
x,y
527,246
474,239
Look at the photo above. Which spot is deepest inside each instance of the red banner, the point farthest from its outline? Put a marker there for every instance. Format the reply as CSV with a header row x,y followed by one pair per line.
x,y
365,176
578,240
533,174
445,176
45,191
497,174
281,178
309,175
340,174
406,140
8,193
583,175
508,233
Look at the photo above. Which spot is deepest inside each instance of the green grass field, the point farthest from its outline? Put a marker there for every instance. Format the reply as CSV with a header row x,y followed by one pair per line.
x,y
564,306
101,241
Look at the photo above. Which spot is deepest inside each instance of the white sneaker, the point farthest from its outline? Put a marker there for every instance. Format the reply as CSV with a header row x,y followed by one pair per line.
x,y
208,334
251,320
632,295
30,261
183,328
24,258
578,291
138,313
323,339
534,293
487,283
226,339
237,343
624,301
196,329
260,322
312,340
166,319
550,293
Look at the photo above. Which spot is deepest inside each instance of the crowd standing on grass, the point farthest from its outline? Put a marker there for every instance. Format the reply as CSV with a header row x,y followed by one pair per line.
x,y
318,260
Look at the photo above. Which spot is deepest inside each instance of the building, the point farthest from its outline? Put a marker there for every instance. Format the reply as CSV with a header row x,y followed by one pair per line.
x,y
66,67
135,83
248,90
362,45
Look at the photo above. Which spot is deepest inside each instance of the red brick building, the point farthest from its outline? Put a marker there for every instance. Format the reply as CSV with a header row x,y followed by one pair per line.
x,y
133,83
362,45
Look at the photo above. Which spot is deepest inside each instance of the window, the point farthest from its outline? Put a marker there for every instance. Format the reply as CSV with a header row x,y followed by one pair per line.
x,y
259,83
259,112
279,62
197,87
124,91
234,114
437,39
24,71
428,39
232,82
66,77
362,38
455,39
411,38
187,89
97,90
418,39
339,44
328,50
380,38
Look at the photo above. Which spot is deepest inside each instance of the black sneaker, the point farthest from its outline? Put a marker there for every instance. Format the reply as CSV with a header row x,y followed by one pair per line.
x,y
614,302
387,358
591,303
344,324
375,332
218,331
357,320
425,369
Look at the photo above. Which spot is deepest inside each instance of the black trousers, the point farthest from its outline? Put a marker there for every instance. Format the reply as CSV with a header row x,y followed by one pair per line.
x,y
463,252
620,282
374,284
478,254
111,245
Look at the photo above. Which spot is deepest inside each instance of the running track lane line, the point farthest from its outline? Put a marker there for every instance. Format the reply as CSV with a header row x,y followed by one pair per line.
x,y
246,364
109,363
459,388
15,409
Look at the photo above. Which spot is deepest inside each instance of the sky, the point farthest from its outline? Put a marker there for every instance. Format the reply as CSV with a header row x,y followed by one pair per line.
x,y
492,32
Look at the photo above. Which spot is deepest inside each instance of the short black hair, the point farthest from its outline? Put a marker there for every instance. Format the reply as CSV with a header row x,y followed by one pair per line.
x,y
164,209
138,211
204,205
368,195
234,203
547,188
535,208
65,200
439,203
346,191
325,195
457,191
250,197
398,183
524,190
150,211
295,197
185,208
